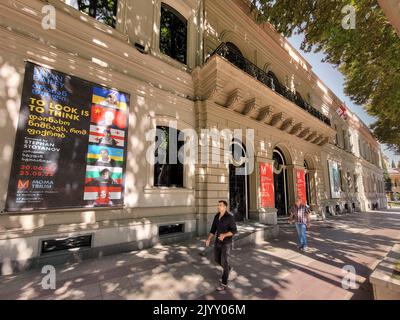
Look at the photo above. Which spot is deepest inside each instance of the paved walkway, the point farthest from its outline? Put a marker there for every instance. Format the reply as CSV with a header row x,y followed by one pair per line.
x,y
273,270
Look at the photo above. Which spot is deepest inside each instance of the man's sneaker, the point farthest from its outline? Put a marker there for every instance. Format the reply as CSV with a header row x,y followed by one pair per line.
x,y
221,287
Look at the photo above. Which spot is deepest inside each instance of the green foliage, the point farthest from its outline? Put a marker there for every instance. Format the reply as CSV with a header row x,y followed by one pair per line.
x,y
386,177
102,10
368,56
173,34
164,137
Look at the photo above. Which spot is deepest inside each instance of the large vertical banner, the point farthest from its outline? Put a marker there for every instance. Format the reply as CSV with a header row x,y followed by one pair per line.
x,y
267,185
334,179
301,185
70,146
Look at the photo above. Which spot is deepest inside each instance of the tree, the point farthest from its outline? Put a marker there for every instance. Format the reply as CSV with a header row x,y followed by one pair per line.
x,y
386,177
367,56
102,10
393,165
173,33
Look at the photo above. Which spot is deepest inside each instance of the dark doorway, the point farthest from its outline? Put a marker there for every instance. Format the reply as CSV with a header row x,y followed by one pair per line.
x,y
238,183
280,182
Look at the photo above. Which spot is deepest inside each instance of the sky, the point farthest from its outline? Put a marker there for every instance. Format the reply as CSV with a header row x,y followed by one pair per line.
x,y
332,78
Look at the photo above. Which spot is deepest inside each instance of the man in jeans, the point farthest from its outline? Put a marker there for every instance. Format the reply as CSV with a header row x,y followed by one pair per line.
x,y
224,227
300,214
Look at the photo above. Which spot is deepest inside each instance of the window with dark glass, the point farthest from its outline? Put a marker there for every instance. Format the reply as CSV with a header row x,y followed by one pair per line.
x,y
104,11
275,84
173,33
235,56
336,136
355,182
168,169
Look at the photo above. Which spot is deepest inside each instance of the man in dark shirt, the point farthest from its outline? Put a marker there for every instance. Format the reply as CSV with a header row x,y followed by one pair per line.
x,y
224,227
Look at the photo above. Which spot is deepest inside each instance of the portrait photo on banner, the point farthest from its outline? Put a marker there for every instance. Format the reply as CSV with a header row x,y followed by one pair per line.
x,y
105,156
108,117
106,136
109,98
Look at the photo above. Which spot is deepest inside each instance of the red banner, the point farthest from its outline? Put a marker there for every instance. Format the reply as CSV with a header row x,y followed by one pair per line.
x,y
267,186
301,185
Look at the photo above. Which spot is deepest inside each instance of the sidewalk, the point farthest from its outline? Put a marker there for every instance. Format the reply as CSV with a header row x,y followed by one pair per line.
x,y
273,270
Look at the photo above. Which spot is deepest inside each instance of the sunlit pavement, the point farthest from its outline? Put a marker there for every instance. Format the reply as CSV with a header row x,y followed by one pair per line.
x,y
274,270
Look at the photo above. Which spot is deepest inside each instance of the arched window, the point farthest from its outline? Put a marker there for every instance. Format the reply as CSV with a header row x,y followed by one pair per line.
x,y
300,100
101,10
238,183
336,135
233,48
235,56
275,84
280,182
168,169
238,152
173,33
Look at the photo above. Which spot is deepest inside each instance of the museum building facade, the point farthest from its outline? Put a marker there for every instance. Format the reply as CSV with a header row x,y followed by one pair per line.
x,y
84,95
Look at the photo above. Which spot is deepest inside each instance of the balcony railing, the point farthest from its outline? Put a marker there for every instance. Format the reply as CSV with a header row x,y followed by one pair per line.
x,y
267,79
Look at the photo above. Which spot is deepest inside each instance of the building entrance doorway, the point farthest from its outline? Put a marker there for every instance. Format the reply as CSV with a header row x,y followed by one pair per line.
x,y
238,182
280,183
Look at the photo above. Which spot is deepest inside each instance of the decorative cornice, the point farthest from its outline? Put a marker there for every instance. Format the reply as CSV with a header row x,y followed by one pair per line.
x,y
296,128
287,124
265,114
318,139
226,85
217,92
324,141
277,119
235,99
304,133
312,136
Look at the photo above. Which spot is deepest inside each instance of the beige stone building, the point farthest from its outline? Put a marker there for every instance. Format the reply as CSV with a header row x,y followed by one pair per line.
x,y
201,66
394,175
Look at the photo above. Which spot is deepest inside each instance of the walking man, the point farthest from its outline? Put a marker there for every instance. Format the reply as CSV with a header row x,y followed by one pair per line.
x,y
300,214
224,227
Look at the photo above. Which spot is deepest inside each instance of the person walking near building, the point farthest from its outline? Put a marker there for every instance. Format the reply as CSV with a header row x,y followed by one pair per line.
x,y
300,215
223,227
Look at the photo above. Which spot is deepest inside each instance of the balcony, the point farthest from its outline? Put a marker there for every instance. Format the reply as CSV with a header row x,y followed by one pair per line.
x,y
234,88
267,79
